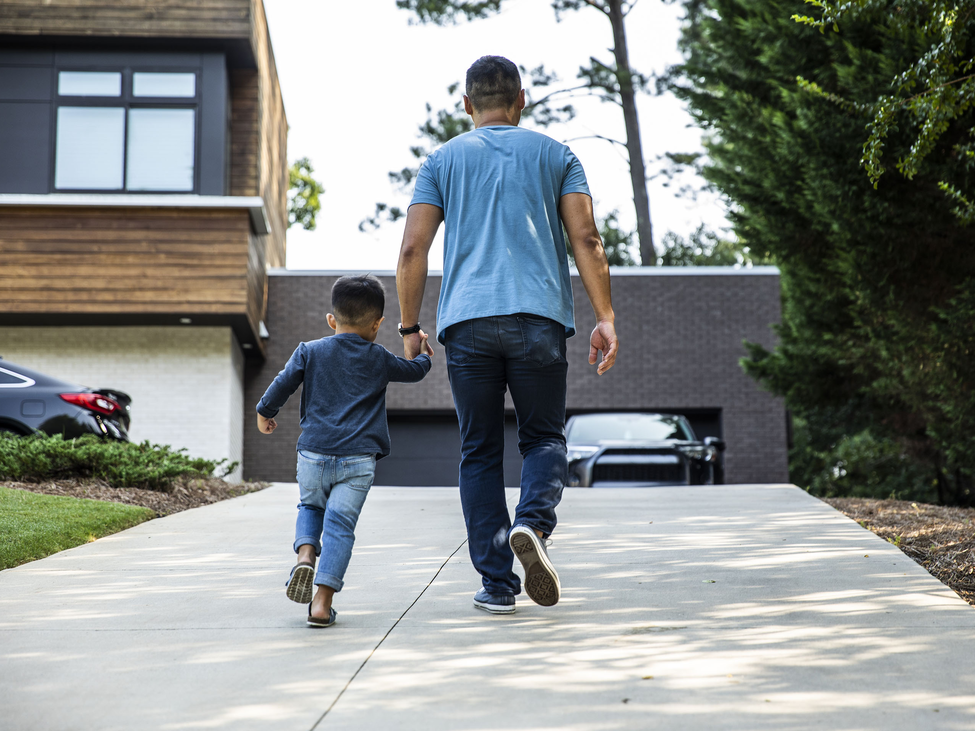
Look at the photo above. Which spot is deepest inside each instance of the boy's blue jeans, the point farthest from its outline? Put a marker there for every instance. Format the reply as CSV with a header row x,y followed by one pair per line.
x,y
524,354
333,490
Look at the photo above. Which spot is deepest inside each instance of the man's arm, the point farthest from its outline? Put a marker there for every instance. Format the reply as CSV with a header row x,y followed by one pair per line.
x,y
422,222
575,209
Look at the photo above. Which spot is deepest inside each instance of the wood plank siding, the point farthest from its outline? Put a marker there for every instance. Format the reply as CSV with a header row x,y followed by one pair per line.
x,y
273,160
104,260
128,18
112,261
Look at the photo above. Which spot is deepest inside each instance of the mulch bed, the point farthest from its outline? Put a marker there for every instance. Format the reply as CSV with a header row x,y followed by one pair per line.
x,y
941,539
183,495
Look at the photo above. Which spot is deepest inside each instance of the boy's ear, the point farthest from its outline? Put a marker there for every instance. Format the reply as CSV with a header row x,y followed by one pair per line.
x,y
377,323
332,322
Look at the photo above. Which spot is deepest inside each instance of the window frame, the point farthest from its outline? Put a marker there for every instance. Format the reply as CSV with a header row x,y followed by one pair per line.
x,y
126,100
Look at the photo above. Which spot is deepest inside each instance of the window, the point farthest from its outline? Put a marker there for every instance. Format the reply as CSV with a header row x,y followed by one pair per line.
x,y
126,131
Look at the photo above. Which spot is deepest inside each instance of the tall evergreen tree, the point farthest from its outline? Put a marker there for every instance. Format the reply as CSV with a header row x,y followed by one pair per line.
x,y
878,302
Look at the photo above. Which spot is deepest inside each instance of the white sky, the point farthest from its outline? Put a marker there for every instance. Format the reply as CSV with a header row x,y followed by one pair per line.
x,y
355,85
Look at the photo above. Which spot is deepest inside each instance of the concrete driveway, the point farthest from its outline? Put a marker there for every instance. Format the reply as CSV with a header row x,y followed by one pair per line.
x,y
729,607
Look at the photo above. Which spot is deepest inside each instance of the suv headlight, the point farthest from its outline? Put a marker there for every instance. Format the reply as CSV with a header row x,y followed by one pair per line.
x,y
574,454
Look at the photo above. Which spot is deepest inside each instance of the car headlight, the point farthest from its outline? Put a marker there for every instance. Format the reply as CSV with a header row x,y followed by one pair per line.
x,y
705,453
574,454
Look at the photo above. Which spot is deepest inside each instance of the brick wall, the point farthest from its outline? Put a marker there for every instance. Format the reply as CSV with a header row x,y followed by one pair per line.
x,y
186,383
681,336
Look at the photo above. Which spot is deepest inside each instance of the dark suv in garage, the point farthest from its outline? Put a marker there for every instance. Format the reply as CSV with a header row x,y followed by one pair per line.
x,y
32,402
634,450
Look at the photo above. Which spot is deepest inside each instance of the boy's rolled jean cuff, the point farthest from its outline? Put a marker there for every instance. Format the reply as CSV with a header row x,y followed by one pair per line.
x,y
309,541
328,580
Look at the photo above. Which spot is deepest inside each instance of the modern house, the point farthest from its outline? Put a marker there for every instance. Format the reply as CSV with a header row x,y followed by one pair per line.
x,y
681,331
143,213
143,182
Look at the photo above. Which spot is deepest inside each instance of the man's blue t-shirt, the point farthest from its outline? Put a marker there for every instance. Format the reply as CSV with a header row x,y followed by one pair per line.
x,y
504,251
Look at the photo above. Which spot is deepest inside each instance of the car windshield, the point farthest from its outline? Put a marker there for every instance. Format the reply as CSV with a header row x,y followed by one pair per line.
x,y
593,428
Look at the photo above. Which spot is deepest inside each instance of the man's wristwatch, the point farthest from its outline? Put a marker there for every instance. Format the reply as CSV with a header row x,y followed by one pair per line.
x,y
404,331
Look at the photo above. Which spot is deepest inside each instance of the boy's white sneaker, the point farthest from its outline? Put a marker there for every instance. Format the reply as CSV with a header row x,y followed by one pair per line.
x,y
301,585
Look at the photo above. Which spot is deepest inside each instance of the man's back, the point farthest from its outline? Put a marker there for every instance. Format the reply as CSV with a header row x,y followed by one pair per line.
x,y
504,252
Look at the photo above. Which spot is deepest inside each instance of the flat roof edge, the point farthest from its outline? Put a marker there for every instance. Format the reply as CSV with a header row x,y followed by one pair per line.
x,y
614,271
254,204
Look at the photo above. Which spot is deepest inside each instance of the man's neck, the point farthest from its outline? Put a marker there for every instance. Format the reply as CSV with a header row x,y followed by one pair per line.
x,y
497,118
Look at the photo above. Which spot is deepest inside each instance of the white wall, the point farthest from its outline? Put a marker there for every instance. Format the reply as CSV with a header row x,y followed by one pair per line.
x,y
186,383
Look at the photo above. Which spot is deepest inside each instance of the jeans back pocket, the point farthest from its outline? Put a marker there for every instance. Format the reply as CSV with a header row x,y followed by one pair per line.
x,y
459,342
544,339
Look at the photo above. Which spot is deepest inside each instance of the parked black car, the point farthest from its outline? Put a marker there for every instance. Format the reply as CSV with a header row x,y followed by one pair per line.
x,y
32,402
635,450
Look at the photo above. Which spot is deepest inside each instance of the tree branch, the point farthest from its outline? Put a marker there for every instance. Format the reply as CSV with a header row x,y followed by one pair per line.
x,y
598,6
928,91
596,137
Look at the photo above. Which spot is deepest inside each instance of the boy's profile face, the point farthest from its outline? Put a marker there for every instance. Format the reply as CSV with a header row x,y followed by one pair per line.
x,y
367,329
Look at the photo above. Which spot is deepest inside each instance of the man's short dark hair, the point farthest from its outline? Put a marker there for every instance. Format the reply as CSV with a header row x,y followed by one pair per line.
x,y
493,82
358,300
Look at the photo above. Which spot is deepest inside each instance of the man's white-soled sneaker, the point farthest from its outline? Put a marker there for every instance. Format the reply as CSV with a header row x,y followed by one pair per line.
x,y
541,581
494,603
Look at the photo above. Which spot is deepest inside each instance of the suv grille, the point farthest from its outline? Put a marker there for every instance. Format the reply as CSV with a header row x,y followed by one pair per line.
x,y
638,473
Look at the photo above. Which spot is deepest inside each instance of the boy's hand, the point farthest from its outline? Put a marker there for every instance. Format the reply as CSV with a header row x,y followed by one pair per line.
x,y
265,425
415,344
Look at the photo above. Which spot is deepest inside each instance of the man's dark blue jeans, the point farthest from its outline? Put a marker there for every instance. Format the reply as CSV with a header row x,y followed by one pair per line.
x,y
524,354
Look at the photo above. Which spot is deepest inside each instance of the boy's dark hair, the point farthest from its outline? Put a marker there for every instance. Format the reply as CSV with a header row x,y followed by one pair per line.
x,y
493,82
358,300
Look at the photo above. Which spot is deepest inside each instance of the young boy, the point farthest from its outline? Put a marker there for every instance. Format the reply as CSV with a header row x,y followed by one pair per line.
x,y
343,433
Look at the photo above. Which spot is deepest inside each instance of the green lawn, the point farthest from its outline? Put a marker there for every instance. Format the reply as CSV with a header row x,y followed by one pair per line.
x,y
33,526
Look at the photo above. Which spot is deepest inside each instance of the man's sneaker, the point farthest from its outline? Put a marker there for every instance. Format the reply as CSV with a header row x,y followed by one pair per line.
x,y
541,581
494,603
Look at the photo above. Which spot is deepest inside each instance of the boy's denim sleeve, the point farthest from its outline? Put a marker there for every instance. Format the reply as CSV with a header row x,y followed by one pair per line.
x,y
402,370
285,384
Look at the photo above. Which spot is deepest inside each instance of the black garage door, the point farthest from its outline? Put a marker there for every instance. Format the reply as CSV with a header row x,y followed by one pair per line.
x,y
426,447
426,451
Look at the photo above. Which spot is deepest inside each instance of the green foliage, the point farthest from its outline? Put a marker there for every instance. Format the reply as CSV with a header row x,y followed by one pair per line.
x,y
621,248
930,92
34,526
857,465
877,305
447,12
706,248
120,464
303,192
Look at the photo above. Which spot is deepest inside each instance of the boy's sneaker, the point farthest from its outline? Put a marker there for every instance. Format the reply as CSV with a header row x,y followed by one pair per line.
x,y
494,603
300,585
541,581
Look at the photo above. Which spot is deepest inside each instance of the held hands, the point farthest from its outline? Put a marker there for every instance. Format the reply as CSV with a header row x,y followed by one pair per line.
x,y
603,339
265,425
416,344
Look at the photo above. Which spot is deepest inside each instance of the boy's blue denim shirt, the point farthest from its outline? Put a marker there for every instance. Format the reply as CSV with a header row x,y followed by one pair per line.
x,y
343,402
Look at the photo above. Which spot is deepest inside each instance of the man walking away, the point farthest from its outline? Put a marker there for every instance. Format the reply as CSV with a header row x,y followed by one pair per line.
x,y
505,311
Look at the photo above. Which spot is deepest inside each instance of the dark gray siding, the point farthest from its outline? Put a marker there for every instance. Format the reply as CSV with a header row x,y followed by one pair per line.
x,y
681,338
27,94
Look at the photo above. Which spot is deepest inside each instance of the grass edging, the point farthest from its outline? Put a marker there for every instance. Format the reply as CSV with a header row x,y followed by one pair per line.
x,y
33,526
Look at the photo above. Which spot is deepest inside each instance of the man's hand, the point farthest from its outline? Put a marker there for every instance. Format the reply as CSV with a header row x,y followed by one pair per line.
x,y
415,344
603,339
265,425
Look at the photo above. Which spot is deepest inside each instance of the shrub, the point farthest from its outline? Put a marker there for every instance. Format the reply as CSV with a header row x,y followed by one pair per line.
x,y
120,464
857,465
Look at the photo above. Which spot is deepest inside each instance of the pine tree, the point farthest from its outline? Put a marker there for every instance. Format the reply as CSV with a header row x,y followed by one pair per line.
x,y
878,302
